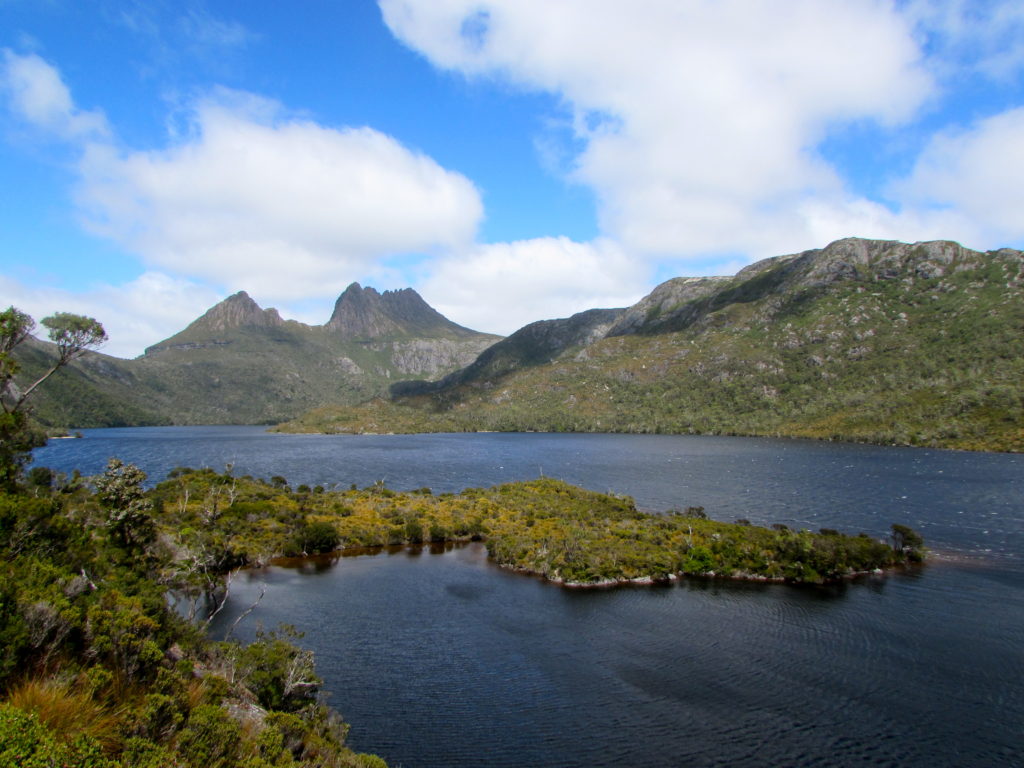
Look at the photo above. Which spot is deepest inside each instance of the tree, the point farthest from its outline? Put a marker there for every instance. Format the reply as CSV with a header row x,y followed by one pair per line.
x,y
907,542
73,335
120,492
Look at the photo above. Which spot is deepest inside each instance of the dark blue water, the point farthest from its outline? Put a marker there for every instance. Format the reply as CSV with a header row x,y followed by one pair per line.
x,y
445,660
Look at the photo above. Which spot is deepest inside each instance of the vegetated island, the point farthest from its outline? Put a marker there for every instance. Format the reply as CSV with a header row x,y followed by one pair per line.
x,y
546,527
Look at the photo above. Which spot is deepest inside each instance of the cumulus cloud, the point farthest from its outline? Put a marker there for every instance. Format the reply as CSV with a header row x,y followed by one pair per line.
x,y
970,179
984,36
135,314
288,208
252,197
501,287
699,121
37,94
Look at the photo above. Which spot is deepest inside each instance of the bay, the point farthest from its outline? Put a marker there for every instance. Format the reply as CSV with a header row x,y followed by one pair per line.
x,y
441,659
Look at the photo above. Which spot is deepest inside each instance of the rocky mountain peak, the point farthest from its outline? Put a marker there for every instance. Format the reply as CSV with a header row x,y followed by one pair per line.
x,y
363,313
236,311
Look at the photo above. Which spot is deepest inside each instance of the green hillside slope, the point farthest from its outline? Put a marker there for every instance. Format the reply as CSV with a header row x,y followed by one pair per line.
x,y
864,340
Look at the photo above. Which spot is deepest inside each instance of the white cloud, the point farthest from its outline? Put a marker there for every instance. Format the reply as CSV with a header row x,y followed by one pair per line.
x,y
210,33
38,95
700,121
251,197
986,36
971,180
501,287
281,206
134,315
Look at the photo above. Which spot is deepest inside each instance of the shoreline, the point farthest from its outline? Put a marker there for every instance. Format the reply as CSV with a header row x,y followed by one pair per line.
x,y
329,559
276,429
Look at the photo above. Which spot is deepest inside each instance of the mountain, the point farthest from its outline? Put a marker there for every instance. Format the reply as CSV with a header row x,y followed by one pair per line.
x,y
242,364
535,344
362,313
864,340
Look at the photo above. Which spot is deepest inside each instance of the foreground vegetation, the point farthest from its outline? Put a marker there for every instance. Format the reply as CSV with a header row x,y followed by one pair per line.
x,y
96,668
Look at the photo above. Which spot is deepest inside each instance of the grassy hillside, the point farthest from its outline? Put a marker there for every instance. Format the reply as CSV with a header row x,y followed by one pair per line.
x,y
95,391
864,341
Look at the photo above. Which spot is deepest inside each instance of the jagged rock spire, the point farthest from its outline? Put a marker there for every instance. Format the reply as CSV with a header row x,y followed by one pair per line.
x,y
363,313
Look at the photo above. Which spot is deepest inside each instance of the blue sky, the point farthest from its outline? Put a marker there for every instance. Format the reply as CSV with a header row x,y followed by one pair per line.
x,y
512,160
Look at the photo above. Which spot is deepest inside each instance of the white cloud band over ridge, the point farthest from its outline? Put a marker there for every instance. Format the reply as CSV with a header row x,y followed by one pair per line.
x,y
701,123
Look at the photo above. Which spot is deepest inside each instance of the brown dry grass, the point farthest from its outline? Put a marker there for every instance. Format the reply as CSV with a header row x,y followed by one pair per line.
x,y
69,713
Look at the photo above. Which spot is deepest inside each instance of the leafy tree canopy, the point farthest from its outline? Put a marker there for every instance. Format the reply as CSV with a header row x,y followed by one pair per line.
x,y
73,335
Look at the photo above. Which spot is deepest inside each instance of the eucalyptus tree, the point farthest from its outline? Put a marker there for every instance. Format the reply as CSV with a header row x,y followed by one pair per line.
x,y
72,335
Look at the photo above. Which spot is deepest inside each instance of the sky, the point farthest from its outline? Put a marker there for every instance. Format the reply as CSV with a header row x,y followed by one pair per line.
x,y
511,160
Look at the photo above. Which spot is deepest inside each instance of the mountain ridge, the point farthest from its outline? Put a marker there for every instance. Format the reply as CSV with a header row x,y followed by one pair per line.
x,y
364,313
870,340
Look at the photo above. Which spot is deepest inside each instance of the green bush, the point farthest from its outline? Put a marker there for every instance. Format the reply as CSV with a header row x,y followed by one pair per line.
x,y
27,743
210,739
281,674
142,753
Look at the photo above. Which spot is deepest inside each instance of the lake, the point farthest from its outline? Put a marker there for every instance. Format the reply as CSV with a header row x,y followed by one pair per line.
x,y
441,659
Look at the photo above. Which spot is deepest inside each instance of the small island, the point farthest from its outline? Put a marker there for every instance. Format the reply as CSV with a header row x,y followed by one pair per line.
x,y
546,527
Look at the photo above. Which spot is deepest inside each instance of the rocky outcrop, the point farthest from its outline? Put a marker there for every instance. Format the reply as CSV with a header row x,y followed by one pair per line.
x,y
780,281
535,344
431,358
858,259
364,314
664,300
237,311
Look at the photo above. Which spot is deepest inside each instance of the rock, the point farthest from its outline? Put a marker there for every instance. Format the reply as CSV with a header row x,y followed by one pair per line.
x,y
364,314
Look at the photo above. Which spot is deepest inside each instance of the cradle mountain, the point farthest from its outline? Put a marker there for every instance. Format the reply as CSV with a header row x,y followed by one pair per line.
x,y
241,364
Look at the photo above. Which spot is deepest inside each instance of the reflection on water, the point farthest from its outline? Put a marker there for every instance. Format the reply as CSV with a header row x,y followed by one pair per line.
x,y
446,660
